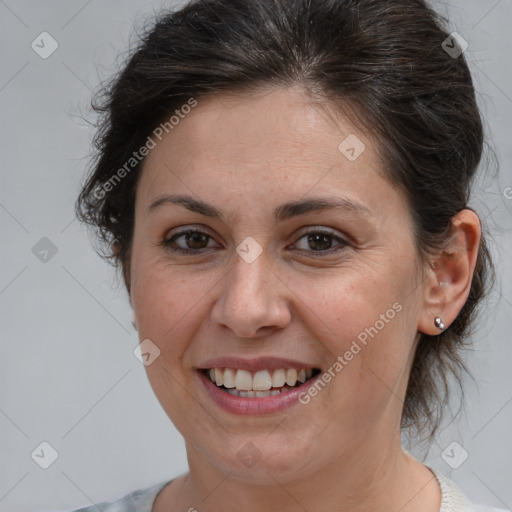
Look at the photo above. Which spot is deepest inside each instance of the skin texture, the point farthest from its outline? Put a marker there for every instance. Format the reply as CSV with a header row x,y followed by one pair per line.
x,y
341,451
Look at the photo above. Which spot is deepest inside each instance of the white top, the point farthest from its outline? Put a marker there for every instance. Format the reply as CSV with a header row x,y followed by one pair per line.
x,y
454,500
141,500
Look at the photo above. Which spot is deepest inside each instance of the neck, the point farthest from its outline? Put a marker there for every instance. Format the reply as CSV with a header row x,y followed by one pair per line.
x,y
371,476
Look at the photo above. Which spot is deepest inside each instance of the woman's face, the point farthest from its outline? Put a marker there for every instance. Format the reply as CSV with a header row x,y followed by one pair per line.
x,y
335,289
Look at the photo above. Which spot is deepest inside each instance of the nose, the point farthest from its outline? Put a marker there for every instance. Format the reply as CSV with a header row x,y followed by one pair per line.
x,y
253,300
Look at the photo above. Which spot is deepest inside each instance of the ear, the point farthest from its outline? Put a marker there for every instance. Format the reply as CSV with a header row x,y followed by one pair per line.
x,y
448,284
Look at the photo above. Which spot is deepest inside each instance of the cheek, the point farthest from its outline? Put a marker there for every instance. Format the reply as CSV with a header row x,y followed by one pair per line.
x,y
164,298
341,306
363,319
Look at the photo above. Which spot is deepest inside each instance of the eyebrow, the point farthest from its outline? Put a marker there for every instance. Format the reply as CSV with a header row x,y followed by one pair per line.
x,y
281,213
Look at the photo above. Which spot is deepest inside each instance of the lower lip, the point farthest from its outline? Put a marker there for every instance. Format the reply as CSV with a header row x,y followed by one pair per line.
x,y
264,405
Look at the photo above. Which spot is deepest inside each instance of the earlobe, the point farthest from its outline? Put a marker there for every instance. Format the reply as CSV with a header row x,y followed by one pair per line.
x,y
447,287
438,322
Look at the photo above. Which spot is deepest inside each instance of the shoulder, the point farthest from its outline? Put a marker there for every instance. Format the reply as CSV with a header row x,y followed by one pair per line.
x,y
140,500
455,500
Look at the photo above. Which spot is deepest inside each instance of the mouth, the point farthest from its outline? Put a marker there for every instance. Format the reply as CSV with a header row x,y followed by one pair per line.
x,y
260,384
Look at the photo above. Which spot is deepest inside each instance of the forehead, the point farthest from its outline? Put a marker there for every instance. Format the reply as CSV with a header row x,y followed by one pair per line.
x,y
273,122
259,146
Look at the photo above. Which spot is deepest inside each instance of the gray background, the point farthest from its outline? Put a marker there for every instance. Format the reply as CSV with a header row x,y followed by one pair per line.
x,y
68,374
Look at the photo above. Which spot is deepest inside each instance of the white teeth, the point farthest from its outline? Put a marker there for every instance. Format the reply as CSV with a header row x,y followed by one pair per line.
x,y
260,381
229,378
291,376
279,378
243,380
257,394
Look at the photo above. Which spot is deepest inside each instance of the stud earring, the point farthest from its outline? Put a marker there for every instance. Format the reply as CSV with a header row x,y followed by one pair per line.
x,y
439,323
134,324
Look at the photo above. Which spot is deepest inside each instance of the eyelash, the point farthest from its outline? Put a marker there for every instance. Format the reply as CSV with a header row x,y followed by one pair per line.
x,y
167,243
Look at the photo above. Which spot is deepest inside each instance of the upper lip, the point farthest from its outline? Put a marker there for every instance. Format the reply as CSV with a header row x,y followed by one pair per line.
x,y
254,364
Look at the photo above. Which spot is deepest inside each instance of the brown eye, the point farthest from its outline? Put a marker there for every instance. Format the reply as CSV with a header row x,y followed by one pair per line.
x,y
321,241
194,241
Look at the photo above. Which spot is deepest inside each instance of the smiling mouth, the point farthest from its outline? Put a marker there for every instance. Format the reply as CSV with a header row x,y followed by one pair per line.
x,y
260,384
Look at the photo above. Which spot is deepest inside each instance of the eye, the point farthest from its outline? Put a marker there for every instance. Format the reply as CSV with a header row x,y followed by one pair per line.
x,y
320,241
194,240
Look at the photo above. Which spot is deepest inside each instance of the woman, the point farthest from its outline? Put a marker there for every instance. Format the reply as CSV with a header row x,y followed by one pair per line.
x,y
285,186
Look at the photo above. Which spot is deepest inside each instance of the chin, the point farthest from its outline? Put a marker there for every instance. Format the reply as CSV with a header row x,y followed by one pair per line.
x,y
263,459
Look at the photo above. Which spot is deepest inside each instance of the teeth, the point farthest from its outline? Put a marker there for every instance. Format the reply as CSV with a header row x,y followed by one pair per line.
x,y
262,381
259,384
229,378
243,380
279,378
291,376
257,394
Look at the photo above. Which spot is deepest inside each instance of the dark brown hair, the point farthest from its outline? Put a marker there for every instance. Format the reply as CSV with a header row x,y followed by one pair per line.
x,y
383,59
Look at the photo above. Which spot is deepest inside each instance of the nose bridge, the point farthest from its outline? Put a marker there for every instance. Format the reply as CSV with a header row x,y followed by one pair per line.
x,y
250,273
249,276
250,299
